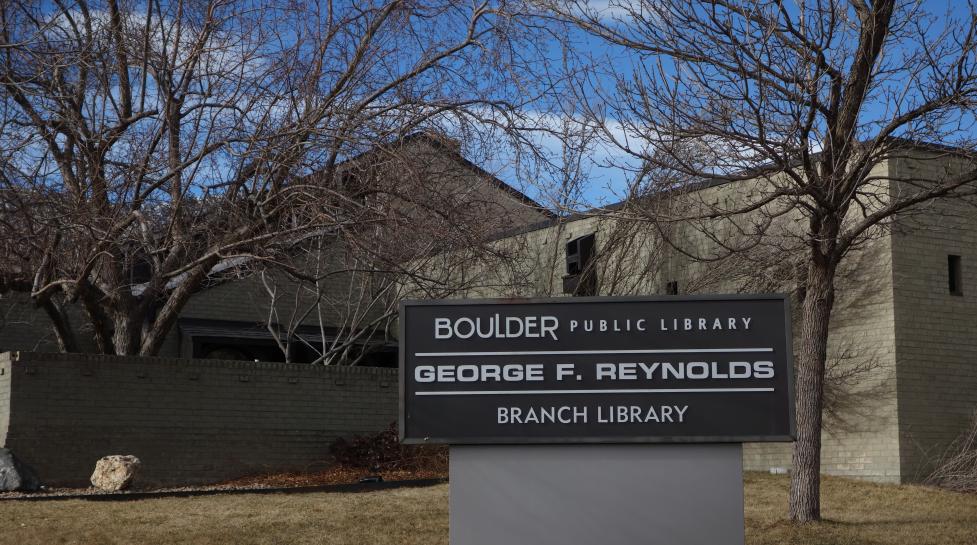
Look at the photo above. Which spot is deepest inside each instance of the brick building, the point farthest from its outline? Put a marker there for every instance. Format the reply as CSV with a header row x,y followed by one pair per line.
x,y
903,336
229,318
903,339
193,414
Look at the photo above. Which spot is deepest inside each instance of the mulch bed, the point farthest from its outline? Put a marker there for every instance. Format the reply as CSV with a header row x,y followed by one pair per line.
x,y
335,475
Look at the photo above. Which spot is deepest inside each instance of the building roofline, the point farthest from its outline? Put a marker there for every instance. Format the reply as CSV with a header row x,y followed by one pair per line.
x,y
708,183
597,211
453,151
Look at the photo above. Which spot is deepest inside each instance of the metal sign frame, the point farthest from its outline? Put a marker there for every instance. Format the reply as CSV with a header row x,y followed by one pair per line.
x,y
785,299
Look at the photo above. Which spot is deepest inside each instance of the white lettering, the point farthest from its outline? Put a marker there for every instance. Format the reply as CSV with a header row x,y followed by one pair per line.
x,y
740,369
424,373
508,326
649,369
606,370
697,370
763,369
442,328
548,324
471,328
494,326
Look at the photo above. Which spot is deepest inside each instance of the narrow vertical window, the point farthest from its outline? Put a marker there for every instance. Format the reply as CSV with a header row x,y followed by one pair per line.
x,y
954,275
581,278
671,288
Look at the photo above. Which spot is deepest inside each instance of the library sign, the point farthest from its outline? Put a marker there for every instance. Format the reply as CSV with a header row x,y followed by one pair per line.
x,y
596,370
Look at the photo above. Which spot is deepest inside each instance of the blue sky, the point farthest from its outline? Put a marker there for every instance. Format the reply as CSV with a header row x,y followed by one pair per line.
x,y
607,171
606,180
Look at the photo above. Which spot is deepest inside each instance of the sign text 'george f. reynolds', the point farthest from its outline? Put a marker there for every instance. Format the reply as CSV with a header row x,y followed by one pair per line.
x,y
596,370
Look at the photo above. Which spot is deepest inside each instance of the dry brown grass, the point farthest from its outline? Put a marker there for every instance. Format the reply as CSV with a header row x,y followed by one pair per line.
x,y
404,516
861,513
855,513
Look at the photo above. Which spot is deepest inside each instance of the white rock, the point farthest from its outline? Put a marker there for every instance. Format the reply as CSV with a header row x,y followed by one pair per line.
x,y
114,473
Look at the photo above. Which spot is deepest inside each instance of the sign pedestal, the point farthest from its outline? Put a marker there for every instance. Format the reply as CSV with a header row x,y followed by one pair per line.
x,y
608,494
597,420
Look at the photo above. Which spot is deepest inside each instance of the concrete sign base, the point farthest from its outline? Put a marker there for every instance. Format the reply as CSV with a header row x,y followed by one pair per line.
x,y
607,494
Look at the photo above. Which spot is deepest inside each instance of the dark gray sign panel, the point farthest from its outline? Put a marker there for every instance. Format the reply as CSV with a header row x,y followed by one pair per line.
x,y
596,369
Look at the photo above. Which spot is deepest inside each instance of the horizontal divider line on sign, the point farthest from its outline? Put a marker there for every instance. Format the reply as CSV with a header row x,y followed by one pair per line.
x,y
597,391
593,352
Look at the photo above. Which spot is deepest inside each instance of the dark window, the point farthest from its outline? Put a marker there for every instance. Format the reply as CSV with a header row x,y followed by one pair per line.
x,y
671,288
581,279
954,274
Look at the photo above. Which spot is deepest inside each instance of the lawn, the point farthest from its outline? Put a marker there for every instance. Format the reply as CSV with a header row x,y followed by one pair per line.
x,y
855,513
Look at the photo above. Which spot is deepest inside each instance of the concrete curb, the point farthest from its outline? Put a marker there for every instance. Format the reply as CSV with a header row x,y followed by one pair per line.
x,y
147,495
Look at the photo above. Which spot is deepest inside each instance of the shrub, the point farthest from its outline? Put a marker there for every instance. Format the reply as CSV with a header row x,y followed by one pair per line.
x,y
957,469
383,451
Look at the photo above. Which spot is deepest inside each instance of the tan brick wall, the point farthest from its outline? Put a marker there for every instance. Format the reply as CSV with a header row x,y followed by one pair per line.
x,y
189,421
464,194
865,443
936,331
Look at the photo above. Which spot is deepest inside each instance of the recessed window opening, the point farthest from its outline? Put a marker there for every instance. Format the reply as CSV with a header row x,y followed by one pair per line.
x,y
581,279
671,288
954,275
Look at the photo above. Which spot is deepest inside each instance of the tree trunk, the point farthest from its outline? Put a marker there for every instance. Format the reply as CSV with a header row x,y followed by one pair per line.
x,y
101,330
805,481
170,311
63,331
125,337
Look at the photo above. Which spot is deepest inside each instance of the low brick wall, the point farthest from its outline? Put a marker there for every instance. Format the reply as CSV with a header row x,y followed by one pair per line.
x,y
189,421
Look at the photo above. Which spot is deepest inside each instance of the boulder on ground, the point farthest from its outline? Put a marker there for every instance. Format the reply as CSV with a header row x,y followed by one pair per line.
x,y
114,473
16,475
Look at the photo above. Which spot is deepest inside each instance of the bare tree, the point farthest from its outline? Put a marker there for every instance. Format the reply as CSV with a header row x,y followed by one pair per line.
x,y
349,305
956,467
146,146
423,217
801,105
